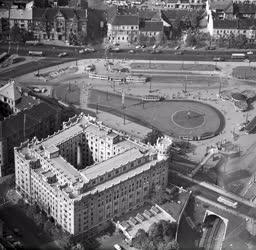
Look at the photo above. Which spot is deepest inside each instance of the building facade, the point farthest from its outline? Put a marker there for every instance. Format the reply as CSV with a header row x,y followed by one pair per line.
x,y
123,29
40,120
87,174
55,23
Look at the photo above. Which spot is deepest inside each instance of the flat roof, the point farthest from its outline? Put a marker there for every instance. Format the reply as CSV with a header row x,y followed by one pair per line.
x,y
112,163
62,136
62,166
123,177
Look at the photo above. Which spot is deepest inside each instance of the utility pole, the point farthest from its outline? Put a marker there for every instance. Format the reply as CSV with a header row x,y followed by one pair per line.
x,y
24,127
220,86
9,23
124,118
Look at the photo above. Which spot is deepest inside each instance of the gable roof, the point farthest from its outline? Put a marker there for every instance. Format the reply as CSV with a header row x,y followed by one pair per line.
x,y
220,4
244,24
245,8
125,20
11,91
151,26
171,15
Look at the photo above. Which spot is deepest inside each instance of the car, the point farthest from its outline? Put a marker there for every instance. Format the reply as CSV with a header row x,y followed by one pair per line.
x,y
138,47
125,70
179,53
89,50
115,49
177,47
218,59
250,53
211,48
155,51
62,54
131,51
90,67
81,51
193,48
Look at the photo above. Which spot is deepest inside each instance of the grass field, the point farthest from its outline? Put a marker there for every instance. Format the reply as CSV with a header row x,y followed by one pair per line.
x,y
70,95
159,114
173,66
245,72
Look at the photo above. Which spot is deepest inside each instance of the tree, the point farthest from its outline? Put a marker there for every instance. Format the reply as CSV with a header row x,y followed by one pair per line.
x,y
140,238
82,38
142,39
172,245
48,226
16,33
191,39
153,136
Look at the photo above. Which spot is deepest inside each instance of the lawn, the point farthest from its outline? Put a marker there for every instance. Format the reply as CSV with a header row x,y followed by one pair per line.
x,y
68,94
245,72
159,114
174,66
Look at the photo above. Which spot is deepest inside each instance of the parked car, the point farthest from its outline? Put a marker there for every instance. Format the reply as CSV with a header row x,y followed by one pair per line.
x,y
62,54
156,51
131,51
218,59
89,50
250,53
177,47
179,53
115,49
81,51
211,48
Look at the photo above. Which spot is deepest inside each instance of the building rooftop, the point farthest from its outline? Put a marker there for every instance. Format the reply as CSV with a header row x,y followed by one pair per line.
x,y
112,163
234,24
119,20
30,117
123,177
58,138
145,220
11,91
151,26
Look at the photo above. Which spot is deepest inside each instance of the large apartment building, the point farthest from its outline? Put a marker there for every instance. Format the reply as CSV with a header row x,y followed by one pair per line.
x,y
87,174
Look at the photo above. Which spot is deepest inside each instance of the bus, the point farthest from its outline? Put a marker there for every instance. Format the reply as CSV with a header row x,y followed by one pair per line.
x,y
35,53
238,56
227,201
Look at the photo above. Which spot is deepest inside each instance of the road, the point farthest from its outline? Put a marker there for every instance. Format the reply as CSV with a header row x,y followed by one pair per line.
x,y
242,208
188,55
14,217
31,66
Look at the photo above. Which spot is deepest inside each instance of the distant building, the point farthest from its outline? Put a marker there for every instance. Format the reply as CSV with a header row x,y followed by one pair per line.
x,y
40,121
86,174
123,29
55,23
151,28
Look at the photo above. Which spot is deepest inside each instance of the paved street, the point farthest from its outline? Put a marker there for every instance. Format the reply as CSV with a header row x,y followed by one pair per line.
x,y
170,54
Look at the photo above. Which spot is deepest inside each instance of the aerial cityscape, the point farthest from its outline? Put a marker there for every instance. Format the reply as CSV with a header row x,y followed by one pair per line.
x,y
128,124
